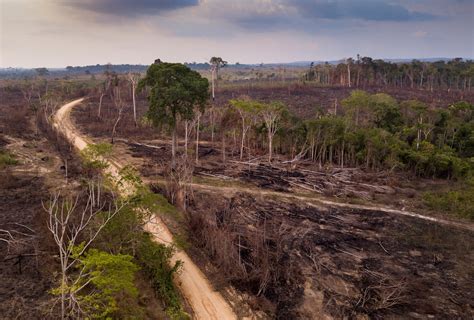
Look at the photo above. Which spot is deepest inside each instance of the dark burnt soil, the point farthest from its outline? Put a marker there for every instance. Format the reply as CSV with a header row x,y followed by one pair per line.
x,y
400,190
25,270
327,261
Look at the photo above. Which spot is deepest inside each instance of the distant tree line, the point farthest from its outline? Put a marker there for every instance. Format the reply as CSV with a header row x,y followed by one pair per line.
x,y
364,71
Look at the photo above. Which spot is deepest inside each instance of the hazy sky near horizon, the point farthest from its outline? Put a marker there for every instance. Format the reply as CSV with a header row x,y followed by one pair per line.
x,y
57,33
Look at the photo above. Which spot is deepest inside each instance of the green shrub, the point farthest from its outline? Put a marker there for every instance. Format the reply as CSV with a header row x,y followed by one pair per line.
x,y
155,261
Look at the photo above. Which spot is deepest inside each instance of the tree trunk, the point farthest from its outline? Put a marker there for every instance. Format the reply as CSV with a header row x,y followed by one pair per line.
x,y
173,146
348,75
115,125
197,138
100,103
212,80
134,105
270,147
242,142
186,124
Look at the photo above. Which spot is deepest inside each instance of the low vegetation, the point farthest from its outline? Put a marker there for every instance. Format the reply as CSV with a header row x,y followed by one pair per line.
x,y
458,202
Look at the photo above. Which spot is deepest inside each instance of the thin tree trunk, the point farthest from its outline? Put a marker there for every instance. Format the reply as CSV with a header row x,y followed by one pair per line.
x,y
186,124
115,124
134,105
197,138
173,147
270,147
100,103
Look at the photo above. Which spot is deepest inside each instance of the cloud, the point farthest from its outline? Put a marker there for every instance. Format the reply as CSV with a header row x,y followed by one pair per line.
x,y
368,10
130,7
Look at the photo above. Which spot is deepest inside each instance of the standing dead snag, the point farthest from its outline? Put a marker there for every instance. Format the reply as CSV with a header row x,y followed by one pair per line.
x,y
134,78
178,181
119,105
68,222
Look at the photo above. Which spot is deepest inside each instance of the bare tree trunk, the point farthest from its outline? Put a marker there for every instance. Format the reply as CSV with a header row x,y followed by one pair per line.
x,y
100,103
116,123
186,133
212,80
197,137
242,142
348,75
173,146
134,104
270,147
212,122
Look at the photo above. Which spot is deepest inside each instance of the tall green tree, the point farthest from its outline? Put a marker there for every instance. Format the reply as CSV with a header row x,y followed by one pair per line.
x,y
216,64
175,92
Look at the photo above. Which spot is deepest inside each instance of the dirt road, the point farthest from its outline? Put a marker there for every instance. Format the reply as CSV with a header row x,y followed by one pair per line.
x,y
195,287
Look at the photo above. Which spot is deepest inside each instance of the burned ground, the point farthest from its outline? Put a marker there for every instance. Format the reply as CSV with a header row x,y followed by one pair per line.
x,y
340,262
27,266
304,100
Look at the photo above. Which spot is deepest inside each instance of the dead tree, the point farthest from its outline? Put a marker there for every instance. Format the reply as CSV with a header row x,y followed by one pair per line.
x,y
134,78
178,182
119,105
22,242
198,118
72,225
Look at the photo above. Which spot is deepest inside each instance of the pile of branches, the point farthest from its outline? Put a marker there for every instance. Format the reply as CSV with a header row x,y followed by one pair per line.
x,y
339,182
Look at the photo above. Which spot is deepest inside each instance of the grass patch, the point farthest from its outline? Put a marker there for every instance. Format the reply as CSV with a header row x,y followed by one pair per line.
x,y
7,159
458,202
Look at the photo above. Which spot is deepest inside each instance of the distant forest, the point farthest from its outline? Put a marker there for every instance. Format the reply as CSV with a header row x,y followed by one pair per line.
x,y
447,74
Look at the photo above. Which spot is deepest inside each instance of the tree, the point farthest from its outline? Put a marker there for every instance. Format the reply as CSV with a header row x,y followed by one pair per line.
x,y
42,72
356,104
216,64
415,112
271,114
248,111
109,277
134,78
386,112
119,105
68,223
176,91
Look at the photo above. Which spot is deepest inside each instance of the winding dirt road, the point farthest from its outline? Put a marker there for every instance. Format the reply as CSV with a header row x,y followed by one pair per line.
x,y
206,303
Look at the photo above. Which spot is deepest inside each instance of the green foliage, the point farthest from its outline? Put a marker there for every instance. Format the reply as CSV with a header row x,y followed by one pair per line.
x,y
7,159
246,106
104,287
455,202
386,112
124,234
155,260
94,156
356,105
175,91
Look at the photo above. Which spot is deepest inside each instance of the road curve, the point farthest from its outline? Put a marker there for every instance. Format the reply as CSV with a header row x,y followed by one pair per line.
x,y
206,303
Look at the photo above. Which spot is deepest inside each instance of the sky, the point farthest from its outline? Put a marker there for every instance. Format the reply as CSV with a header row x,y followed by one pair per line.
x,y
58,33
